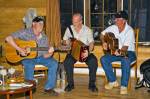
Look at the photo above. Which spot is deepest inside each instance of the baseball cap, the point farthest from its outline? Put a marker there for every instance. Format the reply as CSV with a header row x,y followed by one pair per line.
x,y
38,19
122,14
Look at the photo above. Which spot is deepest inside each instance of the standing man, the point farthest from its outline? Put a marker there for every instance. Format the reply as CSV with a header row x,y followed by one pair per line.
x,y
44,57
126,39
84,34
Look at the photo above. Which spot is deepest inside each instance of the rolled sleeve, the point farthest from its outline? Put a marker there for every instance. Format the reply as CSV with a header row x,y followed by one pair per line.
x,y
112,29
18,34
24,34
67,34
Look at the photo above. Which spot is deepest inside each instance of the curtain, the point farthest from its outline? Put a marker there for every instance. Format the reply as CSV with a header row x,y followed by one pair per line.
x,y
53,28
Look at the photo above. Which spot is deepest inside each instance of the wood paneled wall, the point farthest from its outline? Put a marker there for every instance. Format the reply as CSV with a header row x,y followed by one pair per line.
x,y
12,12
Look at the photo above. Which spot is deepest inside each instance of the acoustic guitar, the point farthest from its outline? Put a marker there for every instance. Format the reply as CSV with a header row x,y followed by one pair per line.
x,y
77,49
13,56
113,44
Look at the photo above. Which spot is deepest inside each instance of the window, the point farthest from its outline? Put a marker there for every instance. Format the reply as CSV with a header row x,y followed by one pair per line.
x,y
101,12
67,8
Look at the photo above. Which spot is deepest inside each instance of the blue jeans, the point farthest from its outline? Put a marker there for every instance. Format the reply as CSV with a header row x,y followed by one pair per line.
x,y
106,61
50,62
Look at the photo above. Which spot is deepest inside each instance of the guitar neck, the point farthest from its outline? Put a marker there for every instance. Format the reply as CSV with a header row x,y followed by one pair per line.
x,y
46,49
39,48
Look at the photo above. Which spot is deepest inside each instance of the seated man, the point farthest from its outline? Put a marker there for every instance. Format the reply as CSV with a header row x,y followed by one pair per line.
x,y
44,57
126,38
82,33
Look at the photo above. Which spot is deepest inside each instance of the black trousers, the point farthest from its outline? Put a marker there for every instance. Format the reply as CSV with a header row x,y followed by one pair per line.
x,y
92,65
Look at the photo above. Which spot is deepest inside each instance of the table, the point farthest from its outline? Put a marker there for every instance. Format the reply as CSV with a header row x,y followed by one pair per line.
x,y
9,91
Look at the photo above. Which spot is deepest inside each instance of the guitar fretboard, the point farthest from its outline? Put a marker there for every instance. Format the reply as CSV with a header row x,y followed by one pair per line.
x,y
39,49
47,48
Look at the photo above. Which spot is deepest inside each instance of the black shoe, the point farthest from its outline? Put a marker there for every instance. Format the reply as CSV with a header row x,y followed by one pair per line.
x,y
69,87
51,92
93,88
139,84
148,90
31,82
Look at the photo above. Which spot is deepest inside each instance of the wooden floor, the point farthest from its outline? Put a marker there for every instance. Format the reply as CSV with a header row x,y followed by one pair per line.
x,y
81,91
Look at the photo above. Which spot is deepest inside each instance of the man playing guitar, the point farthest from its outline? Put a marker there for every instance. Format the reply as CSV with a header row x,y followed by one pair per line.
x,y
126,39
35,33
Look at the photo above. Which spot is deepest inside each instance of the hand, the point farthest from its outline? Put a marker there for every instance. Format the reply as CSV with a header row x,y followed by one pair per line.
x,y
85,54
51,50
63,42
117,53
66,42
104,45
24,52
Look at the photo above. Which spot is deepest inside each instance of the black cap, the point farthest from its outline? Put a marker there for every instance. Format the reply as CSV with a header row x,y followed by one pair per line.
x,y
38,19
122,14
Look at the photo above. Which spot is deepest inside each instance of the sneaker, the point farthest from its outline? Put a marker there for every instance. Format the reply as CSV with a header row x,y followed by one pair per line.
x,y
111,85
51,92
123,90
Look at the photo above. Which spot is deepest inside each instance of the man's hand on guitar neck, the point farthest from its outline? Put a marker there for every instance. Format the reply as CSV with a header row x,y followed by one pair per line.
x,y
50,52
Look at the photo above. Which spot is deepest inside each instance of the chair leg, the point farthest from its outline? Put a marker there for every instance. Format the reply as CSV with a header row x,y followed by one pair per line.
x,y
129,84
46,73
115,71
105,81
136,72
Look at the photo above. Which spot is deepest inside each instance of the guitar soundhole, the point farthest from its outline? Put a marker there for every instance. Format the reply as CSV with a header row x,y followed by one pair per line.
x,y
22,55
25,56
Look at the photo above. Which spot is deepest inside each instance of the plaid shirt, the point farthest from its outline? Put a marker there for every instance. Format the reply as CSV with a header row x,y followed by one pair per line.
x,y
28,35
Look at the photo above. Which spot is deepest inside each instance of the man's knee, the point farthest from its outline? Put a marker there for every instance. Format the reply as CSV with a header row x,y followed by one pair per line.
x,y
102,59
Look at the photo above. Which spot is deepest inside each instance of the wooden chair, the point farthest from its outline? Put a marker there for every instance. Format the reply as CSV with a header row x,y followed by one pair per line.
x,y
80,65
39,71
42,69
117,64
